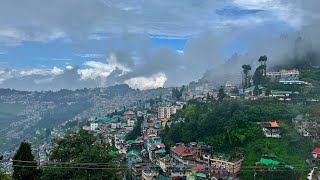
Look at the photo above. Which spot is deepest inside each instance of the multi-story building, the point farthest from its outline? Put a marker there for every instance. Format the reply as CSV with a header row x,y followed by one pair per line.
x,y
270,129
136,172
166,112
148,174
225,162
293,73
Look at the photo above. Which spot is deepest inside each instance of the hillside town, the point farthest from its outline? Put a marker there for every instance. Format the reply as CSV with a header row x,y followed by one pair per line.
x,y
135,133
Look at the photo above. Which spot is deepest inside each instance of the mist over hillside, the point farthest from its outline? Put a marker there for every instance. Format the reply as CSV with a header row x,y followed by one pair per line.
x,y
291,50
24,113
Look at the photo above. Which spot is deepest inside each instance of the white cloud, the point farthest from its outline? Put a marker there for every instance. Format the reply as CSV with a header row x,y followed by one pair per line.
x,y
99,69
56,71
69,67
155,81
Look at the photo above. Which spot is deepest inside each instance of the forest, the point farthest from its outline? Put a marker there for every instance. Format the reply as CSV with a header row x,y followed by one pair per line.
x,y
231,127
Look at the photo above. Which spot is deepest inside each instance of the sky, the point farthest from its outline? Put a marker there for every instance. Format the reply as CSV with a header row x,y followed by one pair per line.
x,y
52,45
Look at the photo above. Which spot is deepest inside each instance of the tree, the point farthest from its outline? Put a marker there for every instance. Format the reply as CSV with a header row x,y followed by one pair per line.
x,y
263,60
221,94
24,166
132,135
258,77
4,176
84,151
246,68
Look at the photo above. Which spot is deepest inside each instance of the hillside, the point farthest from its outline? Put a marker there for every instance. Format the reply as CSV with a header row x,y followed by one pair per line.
x,y
24,114
231,127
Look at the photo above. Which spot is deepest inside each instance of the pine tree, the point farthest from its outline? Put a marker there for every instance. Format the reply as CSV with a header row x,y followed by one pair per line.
x,y
24,166
221,94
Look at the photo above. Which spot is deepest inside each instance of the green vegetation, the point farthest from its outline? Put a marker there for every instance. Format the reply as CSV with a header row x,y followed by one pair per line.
x,y
8,114
136,130
4,176
24,165
176,93
231,127
81,153
246,69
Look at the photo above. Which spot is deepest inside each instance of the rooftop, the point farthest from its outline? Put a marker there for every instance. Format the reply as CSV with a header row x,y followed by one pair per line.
x,y
316,150
273,124
181,150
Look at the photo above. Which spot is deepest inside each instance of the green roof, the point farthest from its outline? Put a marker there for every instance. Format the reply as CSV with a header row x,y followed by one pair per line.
x,y
131,141
158,126
280,92
157,141
121,136
103,120
116,116
265,161
132,152
160,151
202,175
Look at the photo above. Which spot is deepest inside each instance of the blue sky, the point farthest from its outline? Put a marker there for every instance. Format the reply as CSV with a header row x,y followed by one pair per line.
x,y
92,34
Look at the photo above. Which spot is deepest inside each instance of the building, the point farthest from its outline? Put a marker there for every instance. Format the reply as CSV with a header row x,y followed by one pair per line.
x,y
271,129
94,126
294,73
136,172
292,81
166,112
276,93
182,155
148,174
316,153
224,162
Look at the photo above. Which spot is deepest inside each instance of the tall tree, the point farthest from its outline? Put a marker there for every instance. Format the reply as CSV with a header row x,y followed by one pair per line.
x,y
246,68
85,152
24,166
258,77
263,60
221,94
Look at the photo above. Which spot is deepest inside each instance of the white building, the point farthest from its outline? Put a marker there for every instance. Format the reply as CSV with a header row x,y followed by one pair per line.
x,y
293,73
93,126
166,112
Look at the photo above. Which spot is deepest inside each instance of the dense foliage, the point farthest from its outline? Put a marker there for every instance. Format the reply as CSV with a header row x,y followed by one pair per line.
x,y
82,157
132,135
231,127
24,165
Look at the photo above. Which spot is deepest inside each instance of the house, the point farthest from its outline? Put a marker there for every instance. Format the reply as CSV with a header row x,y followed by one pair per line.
x,y
291,81
223,162
148,174
165,163
182,155
293,73
94,126
136,172
270,129
166,111
316,153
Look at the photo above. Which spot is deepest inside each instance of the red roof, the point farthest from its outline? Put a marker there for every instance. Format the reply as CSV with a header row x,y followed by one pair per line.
x,y
198,167
130,113
273,124
316,151
152,148
160,145
181,150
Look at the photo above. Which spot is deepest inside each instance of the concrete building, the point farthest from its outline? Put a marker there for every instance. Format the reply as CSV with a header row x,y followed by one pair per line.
x,y
224,162
94,126
166,112
293,73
